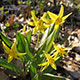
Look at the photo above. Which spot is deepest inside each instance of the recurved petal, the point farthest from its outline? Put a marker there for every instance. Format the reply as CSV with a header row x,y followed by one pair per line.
x,y
33,16
10,58
45,19
26,32
65,53
13,48
52,16
7,50
31,23
44,67
61,11
24,28
53,65
21,54
55,59
65,17
44,15
55,53
69,48
48,20
42,31
46,25
43,64
34,30
16,57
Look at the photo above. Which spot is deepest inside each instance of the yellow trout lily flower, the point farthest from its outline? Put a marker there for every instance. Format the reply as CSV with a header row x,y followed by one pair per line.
x,y
50,61
59,50
12,52
57,19
37,23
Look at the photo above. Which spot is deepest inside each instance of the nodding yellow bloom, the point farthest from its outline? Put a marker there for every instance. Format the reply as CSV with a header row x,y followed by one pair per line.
x,y
37,23
59,50
57,19
12,52
50,61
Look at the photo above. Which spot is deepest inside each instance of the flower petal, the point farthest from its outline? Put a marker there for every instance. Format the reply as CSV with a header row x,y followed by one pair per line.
x,y
46,25
7,50
43,64
56,27
33,16
42,31
44,67
13,48
31,23
45,19
65,53
52,16
24,28
69,48
53,66
65,17
26,32
17,58
21,54
55,53
61,11
48,56
10,58
34,30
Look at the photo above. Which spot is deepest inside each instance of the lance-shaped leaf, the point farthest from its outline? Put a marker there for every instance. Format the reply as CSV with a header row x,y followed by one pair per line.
x,y
10,66
5,40
23,44
49,76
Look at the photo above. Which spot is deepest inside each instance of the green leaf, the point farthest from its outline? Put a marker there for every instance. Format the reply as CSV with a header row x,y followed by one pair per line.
x,y
56,35
15,25
23,44
20,43
33,73
50,39
54,77
62,42
29,37
6,29
44,38
10,66
27,48
4,39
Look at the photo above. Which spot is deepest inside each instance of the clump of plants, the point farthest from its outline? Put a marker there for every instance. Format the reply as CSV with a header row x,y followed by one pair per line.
x,y
41,61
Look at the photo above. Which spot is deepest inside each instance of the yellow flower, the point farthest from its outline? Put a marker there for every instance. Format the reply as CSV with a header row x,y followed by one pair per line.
x,y
50,61
24,31
59,50
57,19
12,52
37,23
